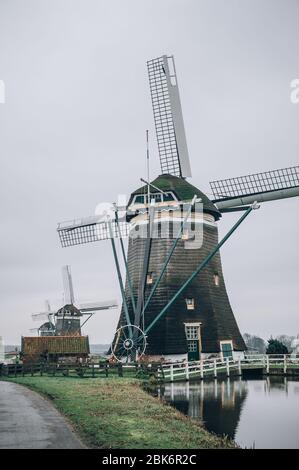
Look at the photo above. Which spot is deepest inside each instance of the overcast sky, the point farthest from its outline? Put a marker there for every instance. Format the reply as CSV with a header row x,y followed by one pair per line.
x,y
72,134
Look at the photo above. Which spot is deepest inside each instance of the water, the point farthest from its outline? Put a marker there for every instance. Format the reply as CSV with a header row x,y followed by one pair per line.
x,y
259,413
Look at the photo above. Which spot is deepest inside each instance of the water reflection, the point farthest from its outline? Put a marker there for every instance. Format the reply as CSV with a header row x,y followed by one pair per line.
x,y
248,411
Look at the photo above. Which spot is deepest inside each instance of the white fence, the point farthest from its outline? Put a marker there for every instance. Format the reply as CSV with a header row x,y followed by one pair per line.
x,y
211,367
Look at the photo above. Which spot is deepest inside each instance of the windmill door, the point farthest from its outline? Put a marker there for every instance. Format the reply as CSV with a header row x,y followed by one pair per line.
x,y
193,341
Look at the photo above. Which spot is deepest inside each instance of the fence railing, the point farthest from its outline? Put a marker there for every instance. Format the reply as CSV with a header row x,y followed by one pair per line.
x,y
80,370
166,372
212,367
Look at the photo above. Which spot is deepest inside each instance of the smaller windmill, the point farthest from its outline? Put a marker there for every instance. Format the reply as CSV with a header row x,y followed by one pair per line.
x,y
67,320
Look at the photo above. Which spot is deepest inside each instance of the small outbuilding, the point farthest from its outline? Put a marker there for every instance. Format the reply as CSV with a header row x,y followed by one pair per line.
x,y
54,348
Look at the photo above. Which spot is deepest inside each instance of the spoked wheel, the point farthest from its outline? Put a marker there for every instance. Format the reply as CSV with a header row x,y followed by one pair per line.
x,y
129,343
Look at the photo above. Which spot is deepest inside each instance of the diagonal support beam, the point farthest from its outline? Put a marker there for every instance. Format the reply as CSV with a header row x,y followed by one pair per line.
x,y
87,319
147,251
126,264
169,256
200,268
121,285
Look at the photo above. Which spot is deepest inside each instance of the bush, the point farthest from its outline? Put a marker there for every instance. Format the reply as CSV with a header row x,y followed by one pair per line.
x,y
276,347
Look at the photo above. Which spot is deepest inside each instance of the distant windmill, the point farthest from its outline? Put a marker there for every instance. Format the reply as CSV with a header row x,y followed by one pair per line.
x,y
175,302
67,320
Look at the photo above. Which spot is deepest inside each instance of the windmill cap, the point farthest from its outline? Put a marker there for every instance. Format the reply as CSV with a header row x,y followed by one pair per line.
x,y
69,309
183,190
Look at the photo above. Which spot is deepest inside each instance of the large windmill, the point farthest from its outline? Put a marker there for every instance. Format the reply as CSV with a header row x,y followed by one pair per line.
x,y
67,320
175,303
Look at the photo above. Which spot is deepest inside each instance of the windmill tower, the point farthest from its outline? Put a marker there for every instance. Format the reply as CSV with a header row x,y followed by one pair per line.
x,y
175,303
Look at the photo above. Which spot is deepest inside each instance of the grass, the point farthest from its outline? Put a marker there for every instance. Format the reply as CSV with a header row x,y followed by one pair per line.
x,y
117,413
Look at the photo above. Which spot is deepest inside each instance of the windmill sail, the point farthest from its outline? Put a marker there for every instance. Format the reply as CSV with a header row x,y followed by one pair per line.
x,y
69,298
260,187
89,229
169,124
88,307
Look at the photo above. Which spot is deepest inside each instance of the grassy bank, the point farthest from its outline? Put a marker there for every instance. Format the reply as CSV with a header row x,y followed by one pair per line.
x,y
118,413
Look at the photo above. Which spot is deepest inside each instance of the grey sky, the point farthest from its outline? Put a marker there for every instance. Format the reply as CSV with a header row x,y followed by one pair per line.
x,y
72,134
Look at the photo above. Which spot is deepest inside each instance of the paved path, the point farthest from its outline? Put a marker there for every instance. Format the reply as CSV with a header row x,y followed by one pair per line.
x,y
28,421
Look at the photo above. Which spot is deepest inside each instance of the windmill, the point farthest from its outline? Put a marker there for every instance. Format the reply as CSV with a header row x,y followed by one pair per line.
x,y
175,303
67,320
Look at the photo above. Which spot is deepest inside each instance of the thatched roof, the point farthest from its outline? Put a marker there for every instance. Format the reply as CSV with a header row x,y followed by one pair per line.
x,y
36,345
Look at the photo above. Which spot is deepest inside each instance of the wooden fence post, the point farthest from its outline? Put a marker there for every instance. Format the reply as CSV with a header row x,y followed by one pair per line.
x,y
201,369
92,370
267,364
187,370
239,366
227,366
284,364
215,369
171,373
120,370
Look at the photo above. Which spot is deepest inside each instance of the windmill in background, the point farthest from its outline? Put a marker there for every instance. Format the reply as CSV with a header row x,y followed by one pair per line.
x,y
67,320
175,303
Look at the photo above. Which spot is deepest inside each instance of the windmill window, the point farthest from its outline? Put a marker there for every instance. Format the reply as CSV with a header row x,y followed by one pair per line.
x,y
156,197
216,280
168,197
190,304
139,199
192,332
192,346
149,278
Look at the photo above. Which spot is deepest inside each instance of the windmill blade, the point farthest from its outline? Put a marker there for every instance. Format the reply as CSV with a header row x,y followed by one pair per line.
x,y
88,230
69,298
89,307
168,117
260,187
41,316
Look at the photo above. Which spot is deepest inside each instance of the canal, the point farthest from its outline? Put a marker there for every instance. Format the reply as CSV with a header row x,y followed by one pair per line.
x,y
256,413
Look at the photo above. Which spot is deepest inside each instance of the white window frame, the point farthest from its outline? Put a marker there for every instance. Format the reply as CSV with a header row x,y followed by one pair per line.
x,y
226,341
190,303
198,326
152,196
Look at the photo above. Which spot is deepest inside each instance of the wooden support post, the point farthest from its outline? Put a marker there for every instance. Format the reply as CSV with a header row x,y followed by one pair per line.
x,y
284,364
201,369
92,370
120,370
41,369
187,370
239,366
267,364
15,370
215,369
31,370
171,373
106,370
227,366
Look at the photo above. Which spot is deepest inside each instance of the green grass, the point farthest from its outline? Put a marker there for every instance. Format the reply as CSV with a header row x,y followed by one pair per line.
x,y
118,413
